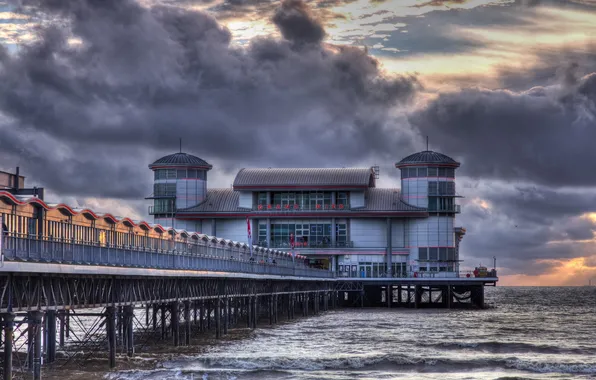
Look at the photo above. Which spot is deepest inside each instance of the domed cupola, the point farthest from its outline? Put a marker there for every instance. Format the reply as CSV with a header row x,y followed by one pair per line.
x,y
427,175
181,159
427,157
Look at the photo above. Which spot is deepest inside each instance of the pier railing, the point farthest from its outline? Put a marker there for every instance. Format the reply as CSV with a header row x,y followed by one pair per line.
x,y
197,257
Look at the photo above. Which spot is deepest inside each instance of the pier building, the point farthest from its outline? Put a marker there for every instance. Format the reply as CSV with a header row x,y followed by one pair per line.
x,y
337,217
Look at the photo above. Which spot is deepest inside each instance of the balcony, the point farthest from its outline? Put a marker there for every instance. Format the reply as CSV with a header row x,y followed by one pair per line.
x,y
452,208
154,210
291,208
307,245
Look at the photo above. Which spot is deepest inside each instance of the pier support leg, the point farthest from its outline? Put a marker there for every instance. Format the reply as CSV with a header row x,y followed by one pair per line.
x,y
187,322
209,309
164,331
226,312
202,316
175,323
111,332
8,320
249,312
129,323
30,340
218,318
270,302
62,332
51,335
154,317
399,294
417,296
255,312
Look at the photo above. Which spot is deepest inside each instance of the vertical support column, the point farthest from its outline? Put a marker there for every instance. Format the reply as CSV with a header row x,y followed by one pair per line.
x,y
195,307
209,309
333,225
62,332
154,317
111,332
249,312
175,322
389,251
187,322
305,303
8,320
147,310
129,322
255,311
389,294
67,323
417,296
51,335
218,318
268,230
226,312
270,304
202,316
164,331
399,295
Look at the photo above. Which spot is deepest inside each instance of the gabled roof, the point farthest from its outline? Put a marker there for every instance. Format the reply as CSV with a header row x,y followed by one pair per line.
x,y
427,157
387,200
305,178
181,159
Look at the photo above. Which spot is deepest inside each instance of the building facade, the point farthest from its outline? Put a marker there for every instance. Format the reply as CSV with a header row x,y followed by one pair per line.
x,y
336,217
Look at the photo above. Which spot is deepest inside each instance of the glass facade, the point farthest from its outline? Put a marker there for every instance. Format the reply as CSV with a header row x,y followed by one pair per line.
x,y
306,234
304,200
161,174
428,172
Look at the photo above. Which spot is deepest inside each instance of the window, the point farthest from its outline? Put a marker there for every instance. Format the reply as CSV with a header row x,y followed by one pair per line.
x,y
422,254
412,172
451,254
181,173
262,199
262,235
341,235
432,172
404,173
443,254
164,190
422,172
342,198
433,254
433,188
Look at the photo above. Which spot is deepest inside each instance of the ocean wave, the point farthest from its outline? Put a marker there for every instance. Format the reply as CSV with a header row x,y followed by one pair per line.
x,y
380,362
514,347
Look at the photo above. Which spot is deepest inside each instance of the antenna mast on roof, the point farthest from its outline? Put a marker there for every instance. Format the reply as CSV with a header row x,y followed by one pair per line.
x,y
427,143
376,170
180,144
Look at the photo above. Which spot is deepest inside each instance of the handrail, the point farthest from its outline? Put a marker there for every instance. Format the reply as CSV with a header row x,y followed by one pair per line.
x,y
200,257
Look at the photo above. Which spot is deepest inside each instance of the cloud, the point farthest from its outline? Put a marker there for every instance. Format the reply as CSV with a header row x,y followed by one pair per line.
x,y
543,135
140,77
297,24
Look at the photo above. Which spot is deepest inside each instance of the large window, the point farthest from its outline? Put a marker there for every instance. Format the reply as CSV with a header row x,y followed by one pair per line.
x,y
305,234
164,190
434,254
428,172
161,174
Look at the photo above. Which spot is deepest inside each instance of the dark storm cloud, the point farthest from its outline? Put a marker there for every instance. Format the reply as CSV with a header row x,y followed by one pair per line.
x,y
140,78
524,224
544,135
297,23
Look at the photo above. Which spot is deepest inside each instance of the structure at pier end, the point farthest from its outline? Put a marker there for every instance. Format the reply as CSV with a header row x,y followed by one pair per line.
x,y
336,217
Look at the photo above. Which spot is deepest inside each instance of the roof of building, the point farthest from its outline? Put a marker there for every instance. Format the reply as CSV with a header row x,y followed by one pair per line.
x,y
181,159
219,200
387,200
427,157
227,200
311,178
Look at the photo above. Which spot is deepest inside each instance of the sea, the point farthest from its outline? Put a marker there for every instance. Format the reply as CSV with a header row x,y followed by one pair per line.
x,y
524,333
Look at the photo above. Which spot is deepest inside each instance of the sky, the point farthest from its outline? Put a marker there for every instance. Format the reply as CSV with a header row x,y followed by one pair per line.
x,y
93,91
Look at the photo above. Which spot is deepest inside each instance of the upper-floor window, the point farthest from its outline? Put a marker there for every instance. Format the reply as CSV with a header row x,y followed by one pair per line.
x,y
164,189
427,172
161,174
441,188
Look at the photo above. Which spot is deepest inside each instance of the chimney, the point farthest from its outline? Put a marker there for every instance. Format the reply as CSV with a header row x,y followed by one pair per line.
x,y
16,179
